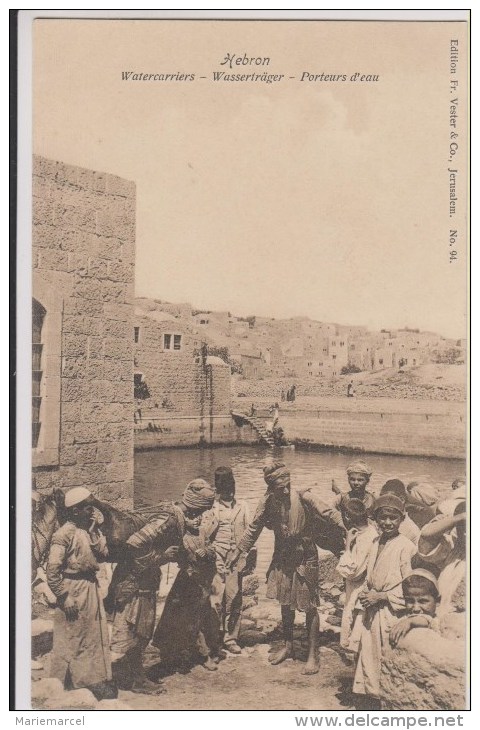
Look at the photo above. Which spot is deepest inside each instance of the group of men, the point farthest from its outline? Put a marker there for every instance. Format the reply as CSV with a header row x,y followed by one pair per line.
x,y
210,535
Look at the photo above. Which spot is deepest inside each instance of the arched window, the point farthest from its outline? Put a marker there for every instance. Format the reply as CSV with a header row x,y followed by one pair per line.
x,y
38,316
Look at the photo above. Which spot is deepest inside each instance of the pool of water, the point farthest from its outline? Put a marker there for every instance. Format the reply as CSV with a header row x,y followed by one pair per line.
x,y
163,474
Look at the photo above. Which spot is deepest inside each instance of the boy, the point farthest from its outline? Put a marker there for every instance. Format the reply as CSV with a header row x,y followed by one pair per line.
x,y
420,591
407,526
81,656
389,563
353,567
358,474
229,520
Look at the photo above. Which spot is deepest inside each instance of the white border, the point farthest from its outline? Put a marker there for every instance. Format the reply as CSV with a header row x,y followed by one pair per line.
x,y
23,431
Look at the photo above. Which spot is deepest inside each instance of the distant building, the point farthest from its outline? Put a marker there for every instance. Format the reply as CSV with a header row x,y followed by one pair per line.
x,y
178,375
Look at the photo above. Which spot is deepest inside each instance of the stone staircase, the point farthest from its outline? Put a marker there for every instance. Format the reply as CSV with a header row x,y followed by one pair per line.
x,y
258,425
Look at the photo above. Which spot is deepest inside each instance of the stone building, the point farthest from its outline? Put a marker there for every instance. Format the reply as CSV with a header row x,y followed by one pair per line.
x,y
179,380
82,346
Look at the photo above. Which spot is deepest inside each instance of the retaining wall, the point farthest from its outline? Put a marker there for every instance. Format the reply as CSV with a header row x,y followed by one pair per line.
x,y
386,432
172,431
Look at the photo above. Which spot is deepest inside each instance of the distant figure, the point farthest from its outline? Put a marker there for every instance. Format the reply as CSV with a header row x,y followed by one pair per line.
x,y
252,410
350,390
282,396
291,394
274,412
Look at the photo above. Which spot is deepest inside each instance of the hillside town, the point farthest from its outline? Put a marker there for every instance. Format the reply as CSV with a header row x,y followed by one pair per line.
x,y
265,354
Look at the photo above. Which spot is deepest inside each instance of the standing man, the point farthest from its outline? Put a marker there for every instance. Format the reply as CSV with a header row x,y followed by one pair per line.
x,y
136,580
81,656
293,574
229,519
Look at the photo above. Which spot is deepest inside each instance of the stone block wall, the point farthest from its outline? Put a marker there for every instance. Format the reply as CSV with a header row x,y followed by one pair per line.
x,y
83,276
178,381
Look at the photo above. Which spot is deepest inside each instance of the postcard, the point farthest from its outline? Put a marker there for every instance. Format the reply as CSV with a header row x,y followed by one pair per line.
x,y
247,363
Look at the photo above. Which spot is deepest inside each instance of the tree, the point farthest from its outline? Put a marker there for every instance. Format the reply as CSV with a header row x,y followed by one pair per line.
x,y
224,354
140,390
347,369
448,357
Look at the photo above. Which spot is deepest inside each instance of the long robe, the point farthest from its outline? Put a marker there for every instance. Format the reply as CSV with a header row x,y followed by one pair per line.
x,y
353,567
80,646
385,572
136,580
188,621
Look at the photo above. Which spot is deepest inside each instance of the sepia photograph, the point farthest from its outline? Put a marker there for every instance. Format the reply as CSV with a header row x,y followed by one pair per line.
x,y
249,359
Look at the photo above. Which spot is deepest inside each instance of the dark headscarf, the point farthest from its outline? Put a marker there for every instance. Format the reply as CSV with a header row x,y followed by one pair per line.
x,y
276,476
224,479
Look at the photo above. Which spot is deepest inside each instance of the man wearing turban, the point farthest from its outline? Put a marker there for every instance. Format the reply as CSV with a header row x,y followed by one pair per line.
x,y
293,574
421,502
136,579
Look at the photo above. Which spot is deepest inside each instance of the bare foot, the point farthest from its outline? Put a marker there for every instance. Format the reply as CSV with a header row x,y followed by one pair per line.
x,y
209,664
285,653
311,667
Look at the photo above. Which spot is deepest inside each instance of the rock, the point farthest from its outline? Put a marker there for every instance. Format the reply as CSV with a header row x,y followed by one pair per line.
x,y
249,601
75,699
334,620
250,585
247,623
43,689
42,636
425,672
113,705
453,626
335,592
41,626
252,637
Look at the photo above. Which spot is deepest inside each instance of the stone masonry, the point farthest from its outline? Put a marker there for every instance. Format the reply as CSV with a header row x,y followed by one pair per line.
x,y
179,381
83,277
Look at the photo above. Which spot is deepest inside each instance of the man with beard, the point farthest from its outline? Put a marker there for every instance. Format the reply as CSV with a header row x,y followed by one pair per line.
x,y
293,574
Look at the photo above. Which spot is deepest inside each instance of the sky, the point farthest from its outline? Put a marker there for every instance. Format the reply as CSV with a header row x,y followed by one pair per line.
x,y
296,198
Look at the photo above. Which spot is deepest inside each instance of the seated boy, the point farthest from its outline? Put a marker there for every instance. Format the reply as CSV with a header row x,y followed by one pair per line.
x,y
420,591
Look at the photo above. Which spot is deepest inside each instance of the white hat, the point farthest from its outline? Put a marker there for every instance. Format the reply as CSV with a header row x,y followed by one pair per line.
x,y
76,495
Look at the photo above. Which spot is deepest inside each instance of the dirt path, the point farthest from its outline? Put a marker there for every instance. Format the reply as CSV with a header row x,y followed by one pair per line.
x,y
250,682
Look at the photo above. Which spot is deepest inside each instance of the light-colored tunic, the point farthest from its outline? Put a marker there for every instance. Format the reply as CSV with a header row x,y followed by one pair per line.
x,y
228,524
81,646
353,567
385,572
